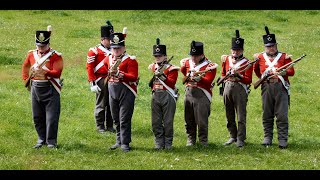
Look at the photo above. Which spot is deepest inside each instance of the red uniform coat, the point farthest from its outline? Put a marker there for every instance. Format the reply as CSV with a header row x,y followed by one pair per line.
x,y
171,72
247,74
54,66
128,70
206,80
95,56
261,66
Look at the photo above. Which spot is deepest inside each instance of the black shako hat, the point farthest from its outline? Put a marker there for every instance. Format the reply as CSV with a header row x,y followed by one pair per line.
x,y
269,39
107,30
117,40
42,38
159,49
196,48
237,42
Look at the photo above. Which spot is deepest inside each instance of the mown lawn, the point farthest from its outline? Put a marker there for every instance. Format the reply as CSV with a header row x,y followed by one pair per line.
x,y
82,148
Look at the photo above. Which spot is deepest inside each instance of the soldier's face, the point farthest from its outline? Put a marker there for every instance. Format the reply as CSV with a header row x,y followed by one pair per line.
x,y
271,50
196,58
236,52
42,49
105,42
118,51
159,58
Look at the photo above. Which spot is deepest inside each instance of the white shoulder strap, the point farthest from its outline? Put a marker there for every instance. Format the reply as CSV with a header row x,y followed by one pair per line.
x,y
196,68
206,93
132,90
98,66
106,51
271,64
235,66
170,90
40,60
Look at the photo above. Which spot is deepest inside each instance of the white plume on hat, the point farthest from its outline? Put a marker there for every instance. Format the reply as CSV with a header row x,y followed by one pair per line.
x,y
49,28
124,31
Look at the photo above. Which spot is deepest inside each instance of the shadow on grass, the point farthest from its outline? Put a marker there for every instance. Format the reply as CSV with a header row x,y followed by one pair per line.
x,y
220,149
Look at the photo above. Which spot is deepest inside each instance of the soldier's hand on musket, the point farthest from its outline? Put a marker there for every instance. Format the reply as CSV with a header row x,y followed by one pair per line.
x,y
267,73
273,72
196,78
39,72
238,75
231,72
160,75
114,72
256,56
282,72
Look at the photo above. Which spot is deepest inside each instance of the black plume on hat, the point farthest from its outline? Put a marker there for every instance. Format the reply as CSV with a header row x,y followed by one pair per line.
x,y
237,42
193,44
196,48
267,29
269,39
109,23
110,26
159,49
107,29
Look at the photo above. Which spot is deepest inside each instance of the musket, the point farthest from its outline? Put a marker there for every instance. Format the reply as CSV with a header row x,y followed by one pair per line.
x,y
278,70
160,69
113,67
39,66
198,73
238,70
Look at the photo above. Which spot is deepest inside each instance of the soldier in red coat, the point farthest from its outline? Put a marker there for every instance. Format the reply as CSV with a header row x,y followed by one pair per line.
x,y
46,67
199,74
236,89
97,73
275,91
164,97
122,86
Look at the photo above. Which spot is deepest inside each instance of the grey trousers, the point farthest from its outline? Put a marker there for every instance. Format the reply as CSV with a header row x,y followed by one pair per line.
x,y
163,109
45,111
121,105
275,104
102,111
235,102
196,114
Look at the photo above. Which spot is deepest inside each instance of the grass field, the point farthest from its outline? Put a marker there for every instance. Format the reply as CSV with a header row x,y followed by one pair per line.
x,y
81,147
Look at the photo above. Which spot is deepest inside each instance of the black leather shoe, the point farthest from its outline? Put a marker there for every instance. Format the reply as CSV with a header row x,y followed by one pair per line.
x,y
266,144
111,129
158,147
240,143
230,141
283,147
52,146
115,146
169,147
125,148
190,142
37,146
101,130
204,144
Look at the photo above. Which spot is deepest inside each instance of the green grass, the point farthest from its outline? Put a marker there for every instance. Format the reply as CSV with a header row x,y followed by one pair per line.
x,y
81,147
